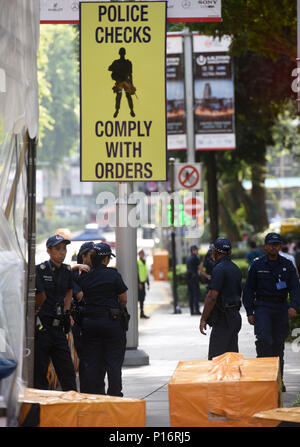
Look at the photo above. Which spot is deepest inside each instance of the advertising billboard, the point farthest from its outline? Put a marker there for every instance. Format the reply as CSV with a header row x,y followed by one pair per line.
x,y
213,94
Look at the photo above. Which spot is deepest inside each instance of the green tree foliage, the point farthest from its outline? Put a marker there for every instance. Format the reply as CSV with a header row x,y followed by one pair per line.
x,y
286,131
59,94
267,27
264,50
260,92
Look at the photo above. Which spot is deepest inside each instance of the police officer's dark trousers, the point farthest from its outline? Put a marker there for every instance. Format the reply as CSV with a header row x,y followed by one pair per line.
x,y
194,295
271,327
103,346
141,295
51,344
224,333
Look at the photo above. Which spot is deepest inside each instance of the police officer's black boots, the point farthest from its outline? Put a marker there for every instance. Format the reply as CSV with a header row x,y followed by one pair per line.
x,y
142,315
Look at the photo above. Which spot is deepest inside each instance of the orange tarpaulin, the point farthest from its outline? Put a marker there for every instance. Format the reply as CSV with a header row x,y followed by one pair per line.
x,y
224,392
281,414
72,409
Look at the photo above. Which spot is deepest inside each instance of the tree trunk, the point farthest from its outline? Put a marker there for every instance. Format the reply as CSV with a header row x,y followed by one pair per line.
x,y
228,225
258,194
212,192
246,200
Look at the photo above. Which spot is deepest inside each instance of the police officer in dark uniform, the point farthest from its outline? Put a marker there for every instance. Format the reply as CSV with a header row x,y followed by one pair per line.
x,y
83,264
269,281
54,288
207,266
223,302
193,278
103,334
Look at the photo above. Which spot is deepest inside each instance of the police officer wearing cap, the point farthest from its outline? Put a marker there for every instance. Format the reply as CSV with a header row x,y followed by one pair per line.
x,y
54,287
193,278
103,334
223,302
269,281
83,264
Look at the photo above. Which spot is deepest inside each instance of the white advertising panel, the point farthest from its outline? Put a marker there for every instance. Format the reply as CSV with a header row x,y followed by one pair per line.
x,y
67,11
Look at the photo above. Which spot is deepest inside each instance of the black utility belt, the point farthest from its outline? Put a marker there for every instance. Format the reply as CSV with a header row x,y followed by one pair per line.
x,y
112,313
232,306
49,321
271,299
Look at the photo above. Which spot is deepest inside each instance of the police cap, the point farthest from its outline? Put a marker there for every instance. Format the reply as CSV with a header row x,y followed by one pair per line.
x,y
103,249
55,240
273,238
87,246
222,245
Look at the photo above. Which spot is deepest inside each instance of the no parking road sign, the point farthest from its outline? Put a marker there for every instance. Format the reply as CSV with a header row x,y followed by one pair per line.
x,y
188,176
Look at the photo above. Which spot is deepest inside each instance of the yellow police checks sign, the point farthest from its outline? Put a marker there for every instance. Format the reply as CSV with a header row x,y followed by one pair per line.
x,y
122,74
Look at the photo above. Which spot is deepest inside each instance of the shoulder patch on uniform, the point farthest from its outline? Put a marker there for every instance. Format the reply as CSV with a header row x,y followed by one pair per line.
x,y
255,259
42,266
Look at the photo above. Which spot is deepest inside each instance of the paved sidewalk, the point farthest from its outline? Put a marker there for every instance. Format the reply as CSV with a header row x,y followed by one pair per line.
x,y
169,338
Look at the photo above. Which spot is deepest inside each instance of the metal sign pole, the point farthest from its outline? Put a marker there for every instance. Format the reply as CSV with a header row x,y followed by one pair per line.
x,y
189,93
173,237
126,250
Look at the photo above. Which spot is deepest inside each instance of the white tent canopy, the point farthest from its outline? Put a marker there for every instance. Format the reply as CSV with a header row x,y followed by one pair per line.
x,y
19,39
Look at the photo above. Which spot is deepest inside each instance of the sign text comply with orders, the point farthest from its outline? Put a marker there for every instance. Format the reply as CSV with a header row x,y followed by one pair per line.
x,y
123,98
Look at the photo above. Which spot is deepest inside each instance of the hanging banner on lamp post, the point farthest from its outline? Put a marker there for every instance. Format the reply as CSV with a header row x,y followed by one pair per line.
x,y
176,113
123,97
214,94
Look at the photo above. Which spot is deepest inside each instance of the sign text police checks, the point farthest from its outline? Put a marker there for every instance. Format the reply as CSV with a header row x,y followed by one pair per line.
x,y
123,100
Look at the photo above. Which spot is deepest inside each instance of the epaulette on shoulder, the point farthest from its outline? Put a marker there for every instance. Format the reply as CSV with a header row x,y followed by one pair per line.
x,y
67,267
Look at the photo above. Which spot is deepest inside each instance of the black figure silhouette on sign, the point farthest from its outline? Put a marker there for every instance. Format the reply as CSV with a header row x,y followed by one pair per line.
x,y
122,73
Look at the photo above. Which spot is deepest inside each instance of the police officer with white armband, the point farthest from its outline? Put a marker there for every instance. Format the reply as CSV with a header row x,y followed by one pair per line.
x,y
270,280
103,329
54,287
223,302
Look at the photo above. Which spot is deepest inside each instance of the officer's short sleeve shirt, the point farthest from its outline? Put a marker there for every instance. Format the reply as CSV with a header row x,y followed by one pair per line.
x,y
226,279
192,263
263,277
54,282
101,287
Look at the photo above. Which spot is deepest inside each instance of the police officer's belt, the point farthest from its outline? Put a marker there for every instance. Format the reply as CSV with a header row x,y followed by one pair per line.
x,y
50,321
232,306
102,313
271,299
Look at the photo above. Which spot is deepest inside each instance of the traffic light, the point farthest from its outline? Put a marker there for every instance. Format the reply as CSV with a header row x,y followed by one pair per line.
x,y
180,219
